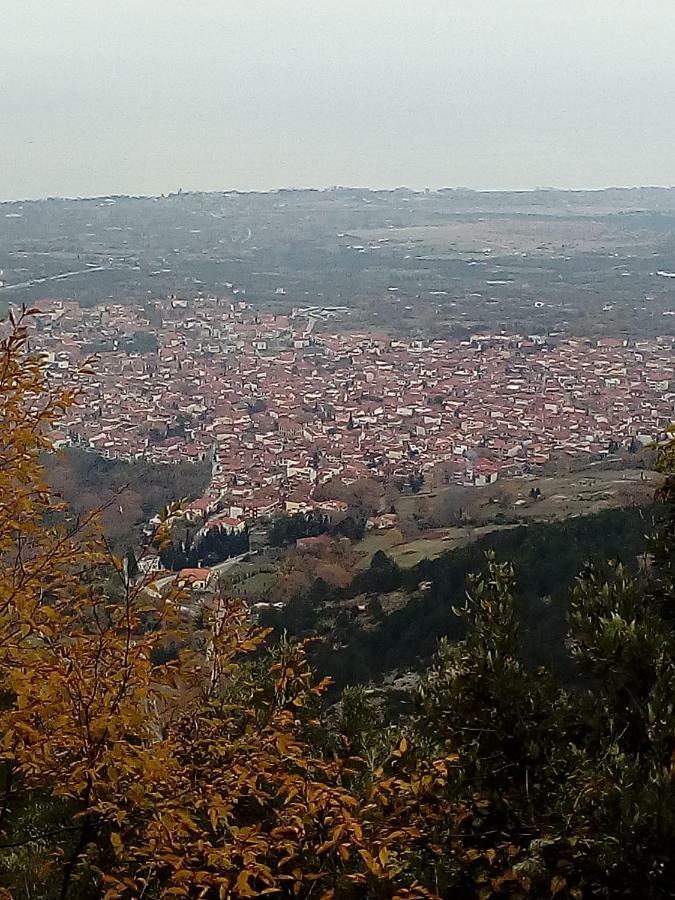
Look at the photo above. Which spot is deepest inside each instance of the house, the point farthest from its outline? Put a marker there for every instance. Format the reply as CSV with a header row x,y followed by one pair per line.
x,y
294,506
257,508
230,524
331,508
195,579
198,509
381,523
483,472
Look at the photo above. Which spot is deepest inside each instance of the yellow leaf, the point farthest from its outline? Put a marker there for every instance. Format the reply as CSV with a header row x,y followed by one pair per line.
x,y
370,862
243,887
558,883
116,842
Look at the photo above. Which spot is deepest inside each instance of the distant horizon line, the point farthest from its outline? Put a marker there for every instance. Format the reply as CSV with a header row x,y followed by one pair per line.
x,y
338,187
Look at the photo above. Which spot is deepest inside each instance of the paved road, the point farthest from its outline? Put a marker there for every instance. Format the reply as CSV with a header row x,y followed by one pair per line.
x,y
224,566
59,277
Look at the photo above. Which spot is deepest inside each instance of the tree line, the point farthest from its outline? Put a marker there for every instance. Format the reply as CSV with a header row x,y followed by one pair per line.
x,y
214,546
286,530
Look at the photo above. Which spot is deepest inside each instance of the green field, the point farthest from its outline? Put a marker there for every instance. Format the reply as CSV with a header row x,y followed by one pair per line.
x,y
249,579
408,553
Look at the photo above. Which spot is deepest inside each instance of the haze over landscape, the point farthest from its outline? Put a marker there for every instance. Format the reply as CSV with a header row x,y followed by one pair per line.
x,y
337,450
145,97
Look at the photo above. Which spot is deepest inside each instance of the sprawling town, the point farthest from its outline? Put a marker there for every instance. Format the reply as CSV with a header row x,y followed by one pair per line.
x,y
281,403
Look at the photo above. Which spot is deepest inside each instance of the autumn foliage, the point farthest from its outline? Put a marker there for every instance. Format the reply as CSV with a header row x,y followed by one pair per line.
x,y
198,777
146,752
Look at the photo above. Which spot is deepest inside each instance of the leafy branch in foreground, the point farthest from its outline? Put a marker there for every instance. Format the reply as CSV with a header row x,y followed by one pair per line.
x,y
125,778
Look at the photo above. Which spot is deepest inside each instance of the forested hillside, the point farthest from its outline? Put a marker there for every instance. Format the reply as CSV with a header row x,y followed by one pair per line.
x,y
128,493
222,772
547,558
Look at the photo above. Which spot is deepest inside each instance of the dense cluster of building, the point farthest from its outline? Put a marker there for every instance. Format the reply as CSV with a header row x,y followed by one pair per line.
x,y
279,404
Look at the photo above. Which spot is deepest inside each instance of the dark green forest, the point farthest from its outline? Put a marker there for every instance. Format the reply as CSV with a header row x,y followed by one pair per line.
x,y
547,558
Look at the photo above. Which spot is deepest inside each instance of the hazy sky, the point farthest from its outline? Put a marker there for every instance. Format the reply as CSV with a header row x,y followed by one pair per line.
x,y
146,96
